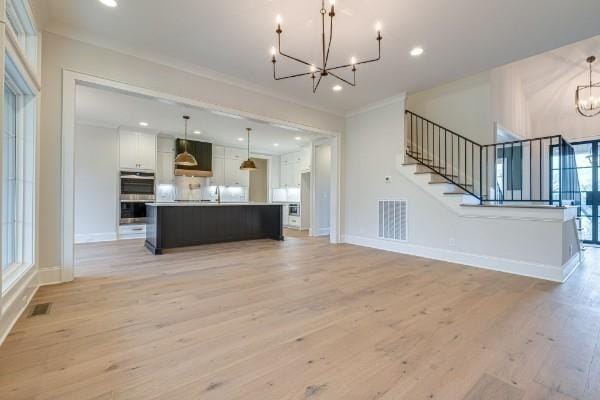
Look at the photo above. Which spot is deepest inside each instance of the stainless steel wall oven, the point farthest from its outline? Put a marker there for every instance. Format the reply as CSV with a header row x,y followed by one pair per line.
x,y
137,189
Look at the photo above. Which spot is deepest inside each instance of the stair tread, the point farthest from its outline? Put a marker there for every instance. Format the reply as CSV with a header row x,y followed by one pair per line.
x,y
451,183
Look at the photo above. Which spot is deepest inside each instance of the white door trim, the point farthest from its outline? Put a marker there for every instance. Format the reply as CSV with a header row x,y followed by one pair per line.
x,y
72,78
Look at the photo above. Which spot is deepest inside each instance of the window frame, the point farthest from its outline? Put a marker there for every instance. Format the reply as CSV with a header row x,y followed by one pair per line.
x,y
21,75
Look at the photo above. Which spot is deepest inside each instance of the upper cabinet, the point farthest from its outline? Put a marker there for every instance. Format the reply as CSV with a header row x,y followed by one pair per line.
x,y
137,151
165,171
226,167
293,165
305,159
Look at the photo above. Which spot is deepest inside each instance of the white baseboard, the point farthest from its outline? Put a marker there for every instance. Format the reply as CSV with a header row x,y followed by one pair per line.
x,y
50,276
15,301
525,268
95,237
322,232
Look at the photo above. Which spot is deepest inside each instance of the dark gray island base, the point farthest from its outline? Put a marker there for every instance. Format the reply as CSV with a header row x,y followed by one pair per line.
x,y
172,225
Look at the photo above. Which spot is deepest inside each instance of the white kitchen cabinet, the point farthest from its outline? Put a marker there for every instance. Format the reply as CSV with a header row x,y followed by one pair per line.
x,y
147,151
234,176
296,178
294,221
218,151
137,151
236,154
305,159
287,175
218,170
287,159
165,172
128,150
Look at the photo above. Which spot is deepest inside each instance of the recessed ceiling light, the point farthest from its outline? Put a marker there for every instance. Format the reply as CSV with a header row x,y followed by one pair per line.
x,y
198,132
109,3
417,51
276,144
298,138
240,139
226,114
337,88
143,124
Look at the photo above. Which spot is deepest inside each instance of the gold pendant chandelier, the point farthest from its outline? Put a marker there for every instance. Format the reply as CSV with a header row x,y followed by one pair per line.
x,y
249,164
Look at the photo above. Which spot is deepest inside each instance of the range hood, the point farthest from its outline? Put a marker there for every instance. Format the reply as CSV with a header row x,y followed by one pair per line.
x,y
201,151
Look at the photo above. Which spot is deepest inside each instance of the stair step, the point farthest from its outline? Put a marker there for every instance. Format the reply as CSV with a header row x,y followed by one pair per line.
x,y
468,185
462,193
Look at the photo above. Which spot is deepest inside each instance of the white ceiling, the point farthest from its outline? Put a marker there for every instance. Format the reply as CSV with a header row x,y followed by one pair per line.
x,y
549,81
233,37
115,109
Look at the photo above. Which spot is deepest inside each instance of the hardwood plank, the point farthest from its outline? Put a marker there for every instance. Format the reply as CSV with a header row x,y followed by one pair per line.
x,y
490,388
302,319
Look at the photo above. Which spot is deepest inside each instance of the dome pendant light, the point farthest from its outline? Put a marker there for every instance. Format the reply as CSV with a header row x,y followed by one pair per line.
x,y
185,159
248,165
589,107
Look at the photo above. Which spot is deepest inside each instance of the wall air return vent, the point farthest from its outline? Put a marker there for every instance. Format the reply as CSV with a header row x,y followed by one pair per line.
x,y
393,220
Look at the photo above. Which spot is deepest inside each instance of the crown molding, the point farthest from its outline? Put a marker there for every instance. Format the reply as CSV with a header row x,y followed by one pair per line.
x,y
84,37
378,104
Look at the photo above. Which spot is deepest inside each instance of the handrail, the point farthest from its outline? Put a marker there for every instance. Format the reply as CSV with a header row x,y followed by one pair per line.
x,y
525,167
439,126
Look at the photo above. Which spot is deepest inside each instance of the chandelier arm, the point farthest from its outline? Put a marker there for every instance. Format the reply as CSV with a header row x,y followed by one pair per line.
x,y
286,77
359,62
280,78
291,57
315,87
344,80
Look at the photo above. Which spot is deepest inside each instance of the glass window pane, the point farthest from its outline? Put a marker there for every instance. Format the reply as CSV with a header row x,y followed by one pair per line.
x,y
586,225
585,179
583,154
9,181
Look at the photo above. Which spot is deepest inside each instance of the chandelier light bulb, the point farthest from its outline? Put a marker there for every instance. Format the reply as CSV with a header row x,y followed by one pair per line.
x,y
378,26
273,51
313,68
353,60
278,19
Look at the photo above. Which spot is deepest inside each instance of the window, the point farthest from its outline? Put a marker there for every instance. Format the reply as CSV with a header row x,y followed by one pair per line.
x,y
21,25
9,180
19,133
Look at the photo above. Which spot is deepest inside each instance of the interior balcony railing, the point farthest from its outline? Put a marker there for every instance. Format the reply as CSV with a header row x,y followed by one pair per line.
x,y
535,171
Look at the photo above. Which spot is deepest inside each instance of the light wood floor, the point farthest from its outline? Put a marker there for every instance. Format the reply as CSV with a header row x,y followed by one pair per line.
x,y
303,319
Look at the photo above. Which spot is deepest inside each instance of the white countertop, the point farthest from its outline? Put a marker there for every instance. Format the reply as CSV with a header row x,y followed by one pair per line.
x,y
207,204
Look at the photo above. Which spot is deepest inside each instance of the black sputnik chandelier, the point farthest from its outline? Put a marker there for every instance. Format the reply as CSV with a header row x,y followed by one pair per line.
x,y
315,72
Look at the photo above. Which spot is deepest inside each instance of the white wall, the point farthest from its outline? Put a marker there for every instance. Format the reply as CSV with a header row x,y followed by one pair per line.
x,y
60,53
96,183
322,173
463,106
509,105
373,149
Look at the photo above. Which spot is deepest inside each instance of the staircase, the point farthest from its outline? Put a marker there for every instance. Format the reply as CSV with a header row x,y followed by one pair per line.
x,y
529,172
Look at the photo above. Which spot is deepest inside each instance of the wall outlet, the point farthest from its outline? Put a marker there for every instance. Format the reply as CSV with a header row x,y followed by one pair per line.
x,y
388,179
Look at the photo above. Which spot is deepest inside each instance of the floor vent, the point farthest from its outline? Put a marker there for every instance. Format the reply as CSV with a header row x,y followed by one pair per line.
x,y
393,220
41,309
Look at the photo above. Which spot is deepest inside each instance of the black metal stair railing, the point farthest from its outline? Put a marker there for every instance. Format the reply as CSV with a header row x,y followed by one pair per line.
x,y
541,170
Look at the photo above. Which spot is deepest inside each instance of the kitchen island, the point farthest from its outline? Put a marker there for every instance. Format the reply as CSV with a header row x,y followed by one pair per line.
x,y
182,224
